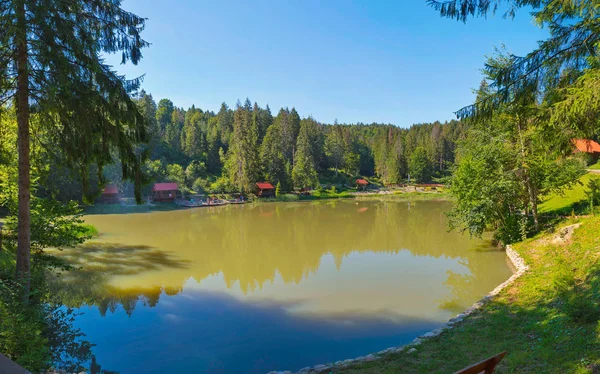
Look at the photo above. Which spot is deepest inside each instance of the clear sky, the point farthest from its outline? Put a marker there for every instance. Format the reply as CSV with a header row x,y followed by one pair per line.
x,y
358,61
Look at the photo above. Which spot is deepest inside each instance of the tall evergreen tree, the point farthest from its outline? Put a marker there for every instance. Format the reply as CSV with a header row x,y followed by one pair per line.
x,y
51,64
164,114
308,152
243,161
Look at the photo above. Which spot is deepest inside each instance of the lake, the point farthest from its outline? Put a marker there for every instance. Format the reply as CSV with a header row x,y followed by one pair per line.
x,y
272,286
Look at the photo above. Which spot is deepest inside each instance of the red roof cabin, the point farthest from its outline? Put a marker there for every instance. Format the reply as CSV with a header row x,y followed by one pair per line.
x,y
165,192
362,184
110,195
265,189
587,146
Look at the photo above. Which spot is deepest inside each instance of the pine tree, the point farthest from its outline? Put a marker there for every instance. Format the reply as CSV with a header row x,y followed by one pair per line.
x,y
53,50
243,161
308,153
164,114
272,160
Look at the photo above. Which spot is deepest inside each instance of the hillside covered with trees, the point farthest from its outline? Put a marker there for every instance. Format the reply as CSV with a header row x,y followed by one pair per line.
x,y
229,151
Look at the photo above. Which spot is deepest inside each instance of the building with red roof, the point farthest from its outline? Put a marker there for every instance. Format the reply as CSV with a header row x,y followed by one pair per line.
x,y
586,145
361,183
265,189
110,195
165,191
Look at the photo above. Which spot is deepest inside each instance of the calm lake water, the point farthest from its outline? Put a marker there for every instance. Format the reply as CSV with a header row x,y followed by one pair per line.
x,y
275,286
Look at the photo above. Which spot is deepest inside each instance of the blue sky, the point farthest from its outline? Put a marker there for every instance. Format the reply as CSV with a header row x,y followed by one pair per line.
x,y
358,61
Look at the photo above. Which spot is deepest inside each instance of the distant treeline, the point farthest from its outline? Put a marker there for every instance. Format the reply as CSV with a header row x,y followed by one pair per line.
x,y
231,150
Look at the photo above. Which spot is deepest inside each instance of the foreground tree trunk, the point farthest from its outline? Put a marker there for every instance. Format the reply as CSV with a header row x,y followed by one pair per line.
x,y
22,108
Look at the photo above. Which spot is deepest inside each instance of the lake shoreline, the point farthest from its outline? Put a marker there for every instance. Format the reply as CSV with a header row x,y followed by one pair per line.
x,y
518,266
366,196
533,318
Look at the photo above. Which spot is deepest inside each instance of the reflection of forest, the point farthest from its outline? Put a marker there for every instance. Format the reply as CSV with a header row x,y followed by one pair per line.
x,y
251,244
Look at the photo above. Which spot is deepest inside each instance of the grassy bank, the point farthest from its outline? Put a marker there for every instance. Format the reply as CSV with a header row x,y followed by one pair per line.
x,y
572,199
547,320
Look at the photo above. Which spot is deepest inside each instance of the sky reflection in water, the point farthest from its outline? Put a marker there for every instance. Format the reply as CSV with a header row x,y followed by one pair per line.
x,y
274,286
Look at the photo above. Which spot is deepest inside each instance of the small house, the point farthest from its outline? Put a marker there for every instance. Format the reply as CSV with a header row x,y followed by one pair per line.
x,y
265,189
587,146
165,192
361,184
110,195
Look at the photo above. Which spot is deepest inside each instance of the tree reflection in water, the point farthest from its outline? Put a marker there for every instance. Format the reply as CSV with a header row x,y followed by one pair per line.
x,y
141,257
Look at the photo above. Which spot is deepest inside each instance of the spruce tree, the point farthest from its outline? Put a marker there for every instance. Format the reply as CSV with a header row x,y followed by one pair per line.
x,y
52,68
308,153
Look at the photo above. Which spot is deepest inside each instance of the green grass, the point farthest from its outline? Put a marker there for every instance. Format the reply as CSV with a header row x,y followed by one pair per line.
x,y
547,320
573,198
595,166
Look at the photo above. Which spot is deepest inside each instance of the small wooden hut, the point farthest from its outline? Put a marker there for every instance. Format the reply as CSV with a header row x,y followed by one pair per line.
x,y
165,192
110,195
265,189
361,184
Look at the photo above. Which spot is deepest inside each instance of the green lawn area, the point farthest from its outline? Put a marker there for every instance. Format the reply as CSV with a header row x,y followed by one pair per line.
x,y
547,320
564,203
596,166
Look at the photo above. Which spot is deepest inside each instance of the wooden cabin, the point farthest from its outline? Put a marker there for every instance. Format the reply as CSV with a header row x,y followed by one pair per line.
x,y
587,146
165,192
110,195
265,189
361,184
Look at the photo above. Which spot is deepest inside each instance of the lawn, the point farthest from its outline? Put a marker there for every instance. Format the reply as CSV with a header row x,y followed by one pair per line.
x,y
596,166
572,198
547,320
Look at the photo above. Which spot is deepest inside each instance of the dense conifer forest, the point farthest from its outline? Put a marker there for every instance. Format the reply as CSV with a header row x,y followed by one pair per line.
x,y
229,151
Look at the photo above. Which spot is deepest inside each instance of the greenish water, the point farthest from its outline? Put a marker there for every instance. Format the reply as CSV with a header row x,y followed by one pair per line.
x,y
277,286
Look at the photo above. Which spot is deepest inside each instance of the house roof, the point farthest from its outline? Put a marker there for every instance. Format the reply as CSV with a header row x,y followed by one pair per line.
x,y
586,145
361,181
165,187
264,185
110,189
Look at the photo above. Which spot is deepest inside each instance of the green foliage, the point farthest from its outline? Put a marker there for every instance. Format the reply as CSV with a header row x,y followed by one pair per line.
x,y
278,189
40,333
419,165
308,154
593,193
195,170
243,162
176,174
487,192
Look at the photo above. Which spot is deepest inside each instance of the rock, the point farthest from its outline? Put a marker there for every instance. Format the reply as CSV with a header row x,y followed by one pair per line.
x,y
412,350
348,362
400,350
361,358
273,372
287,372
370,358
321,368
429,335
304,370
416,341
338,363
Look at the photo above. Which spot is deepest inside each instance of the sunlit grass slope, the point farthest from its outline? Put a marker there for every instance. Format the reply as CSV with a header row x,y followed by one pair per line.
x,y
565,202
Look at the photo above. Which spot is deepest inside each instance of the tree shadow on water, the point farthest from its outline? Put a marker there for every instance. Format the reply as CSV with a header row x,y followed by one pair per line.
x,y
121,259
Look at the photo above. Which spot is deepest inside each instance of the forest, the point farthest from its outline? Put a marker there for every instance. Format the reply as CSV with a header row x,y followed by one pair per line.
x,y
229,151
